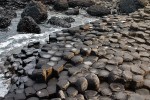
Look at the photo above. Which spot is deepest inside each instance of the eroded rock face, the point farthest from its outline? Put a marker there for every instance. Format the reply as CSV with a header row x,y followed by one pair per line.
x,y
36,10
81,3
59,22
98,10
61,5
27,24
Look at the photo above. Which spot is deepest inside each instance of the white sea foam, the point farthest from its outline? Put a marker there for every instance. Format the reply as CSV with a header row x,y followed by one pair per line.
x,y
3,85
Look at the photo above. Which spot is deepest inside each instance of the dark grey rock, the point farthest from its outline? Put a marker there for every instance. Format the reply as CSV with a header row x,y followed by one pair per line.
x,y
85,51
52,90
103,74
38,75
61,5
74,70
71,98
81,84
81,3
33,98
127,57
72,92
20,96
58,68
42,93
120,96
117,87
29,91
63,84
55,59
98,10
77,59
9,96
68,55
69,19
4,22
39,86
45,55
56,99
29,82
29,59
36,10
59,22
93,81
90,93
106,91
27,24
80,97
8,13
128,6
115,74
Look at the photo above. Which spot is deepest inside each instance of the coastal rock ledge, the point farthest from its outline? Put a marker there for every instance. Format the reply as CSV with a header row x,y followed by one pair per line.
x,y
103,60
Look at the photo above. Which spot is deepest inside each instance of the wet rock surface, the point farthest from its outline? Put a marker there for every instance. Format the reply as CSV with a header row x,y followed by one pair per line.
x,y
4,22
36,10
61,5
28,25
60,22
91,65
81,3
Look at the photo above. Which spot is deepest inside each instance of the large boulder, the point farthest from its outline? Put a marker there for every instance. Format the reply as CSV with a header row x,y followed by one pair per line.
x,y
98,10
27,24
36,10
81,3
59,22
4,22
129,6
61,5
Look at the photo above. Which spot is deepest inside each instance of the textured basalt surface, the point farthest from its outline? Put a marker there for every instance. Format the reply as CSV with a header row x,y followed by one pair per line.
x,y
108,59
